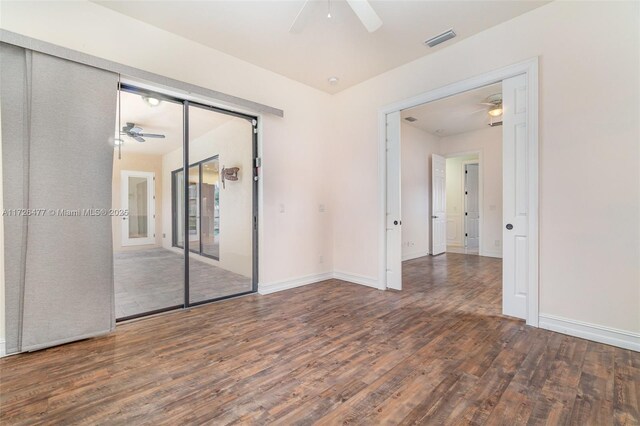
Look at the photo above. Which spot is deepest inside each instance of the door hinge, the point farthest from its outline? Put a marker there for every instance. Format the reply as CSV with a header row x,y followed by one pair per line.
x,y
257,162
466,235
465,193
466,214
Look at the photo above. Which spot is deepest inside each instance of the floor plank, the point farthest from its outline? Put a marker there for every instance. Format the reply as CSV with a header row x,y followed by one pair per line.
x,y
438,352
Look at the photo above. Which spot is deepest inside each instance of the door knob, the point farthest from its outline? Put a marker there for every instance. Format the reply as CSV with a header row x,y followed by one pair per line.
x,y
434,217
395,222
509,226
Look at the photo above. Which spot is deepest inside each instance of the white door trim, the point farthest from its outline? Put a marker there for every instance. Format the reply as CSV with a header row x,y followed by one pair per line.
x,y
530,69
151,219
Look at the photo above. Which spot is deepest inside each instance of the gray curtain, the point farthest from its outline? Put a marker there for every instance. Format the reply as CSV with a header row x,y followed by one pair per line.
x,y
58,118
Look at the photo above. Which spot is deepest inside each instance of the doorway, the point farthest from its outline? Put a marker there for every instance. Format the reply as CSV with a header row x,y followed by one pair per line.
x,y
138,194
156,268
520,189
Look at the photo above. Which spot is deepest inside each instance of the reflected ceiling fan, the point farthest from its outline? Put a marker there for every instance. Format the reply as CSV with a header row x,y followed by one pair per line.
x,y
361,8
135,132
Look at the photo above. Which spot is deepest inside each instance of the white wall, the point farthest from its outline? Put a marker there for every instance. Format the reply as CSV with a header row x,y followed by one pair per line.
x,y
455,199
589,154
489,142
416,149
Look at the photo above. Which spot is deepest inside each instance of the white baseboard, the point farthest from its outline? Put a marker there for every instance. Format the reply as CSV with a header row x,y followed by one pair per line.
x,y
416,255
356,279
491,253
3,348
269,288
597,333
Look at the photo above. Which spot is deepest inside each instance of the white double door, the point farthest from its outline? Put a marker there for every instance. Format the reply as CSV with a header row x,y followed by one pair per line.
x,y
516,151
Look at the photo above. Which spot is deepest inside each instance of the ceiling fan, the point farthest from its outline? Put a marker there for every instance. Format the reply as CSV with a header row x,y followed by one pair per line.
x,y
494,102
361,8
135,132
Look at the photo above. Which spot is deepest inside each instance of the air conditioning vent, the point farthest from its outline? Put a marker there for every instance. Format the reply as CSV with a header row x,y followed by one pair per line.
x,y
497,123
440,38
411,119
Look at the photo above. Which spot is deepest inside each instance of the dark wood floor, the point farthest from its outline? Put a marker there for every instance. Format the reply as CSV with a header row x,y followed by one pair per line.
x,y
438,352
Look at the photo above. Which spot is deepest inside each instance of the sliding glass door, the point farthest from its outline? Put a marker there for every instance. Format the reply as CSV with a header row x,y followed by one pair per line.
x,y
204,208
221,205
189,238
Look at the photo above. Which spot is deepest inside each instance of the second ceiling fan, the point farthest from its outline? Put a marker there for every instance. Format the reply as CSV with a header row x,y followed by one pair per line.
x,y
361,8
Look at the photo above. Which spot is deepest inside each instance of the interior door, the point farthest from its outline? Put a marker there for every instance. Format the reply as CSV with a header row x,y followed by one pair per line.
x,y
515,234
471,206
438,205
393,213
138,198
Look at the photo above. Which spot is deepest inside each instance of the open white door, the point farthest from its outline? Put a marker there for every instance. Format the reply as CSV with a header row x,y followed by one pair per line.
x,y
438,204
138,199
393,213
515,234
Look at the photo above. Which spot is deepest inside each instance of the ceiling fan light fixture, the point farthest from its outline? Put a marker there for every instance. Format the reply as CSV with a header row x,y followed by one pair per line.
x,y
495,111
152,102
118,142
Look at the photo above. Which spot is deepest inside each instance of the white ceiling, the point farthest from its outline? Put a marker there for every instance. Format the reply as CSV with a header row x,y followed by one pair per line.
x,y
165,119
456,114
258,32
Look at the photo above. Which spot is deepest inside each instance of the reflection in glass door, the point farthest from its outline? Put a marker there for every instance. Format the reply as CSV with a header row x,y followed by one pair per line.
x,y
137,198
205,201
204,208
221,149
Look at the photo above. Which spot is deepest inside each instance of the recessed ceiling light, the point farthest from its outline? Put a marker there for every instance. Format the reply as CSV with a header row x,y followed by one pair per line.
x,y
152,102
333,80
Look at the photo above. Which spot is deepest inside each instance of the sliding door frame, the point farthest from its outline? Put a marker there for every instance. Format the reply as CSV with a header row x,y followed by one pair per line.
x,y
253,119
174,237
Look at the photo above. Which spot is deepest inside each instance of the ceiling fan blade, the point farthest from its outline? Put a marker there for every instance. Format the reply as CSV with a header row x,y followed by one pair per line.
x,y
366,14
150,135
301,18
138,138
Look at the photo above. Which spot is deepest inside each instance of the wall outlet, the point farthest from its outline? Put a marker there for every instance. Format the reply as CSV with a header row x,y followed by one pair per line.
x,y
321,208
281,208
321,259
164,235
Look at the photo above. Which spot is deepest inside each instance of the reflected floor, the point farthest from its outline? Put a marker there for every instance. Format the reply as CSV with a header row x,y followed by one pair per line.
x,y
147,280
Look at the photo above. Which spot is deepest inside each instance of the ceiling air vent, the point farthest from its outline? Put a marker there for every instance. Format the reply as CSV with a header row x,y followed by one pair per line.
x,y
494,124
411,119
440,38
